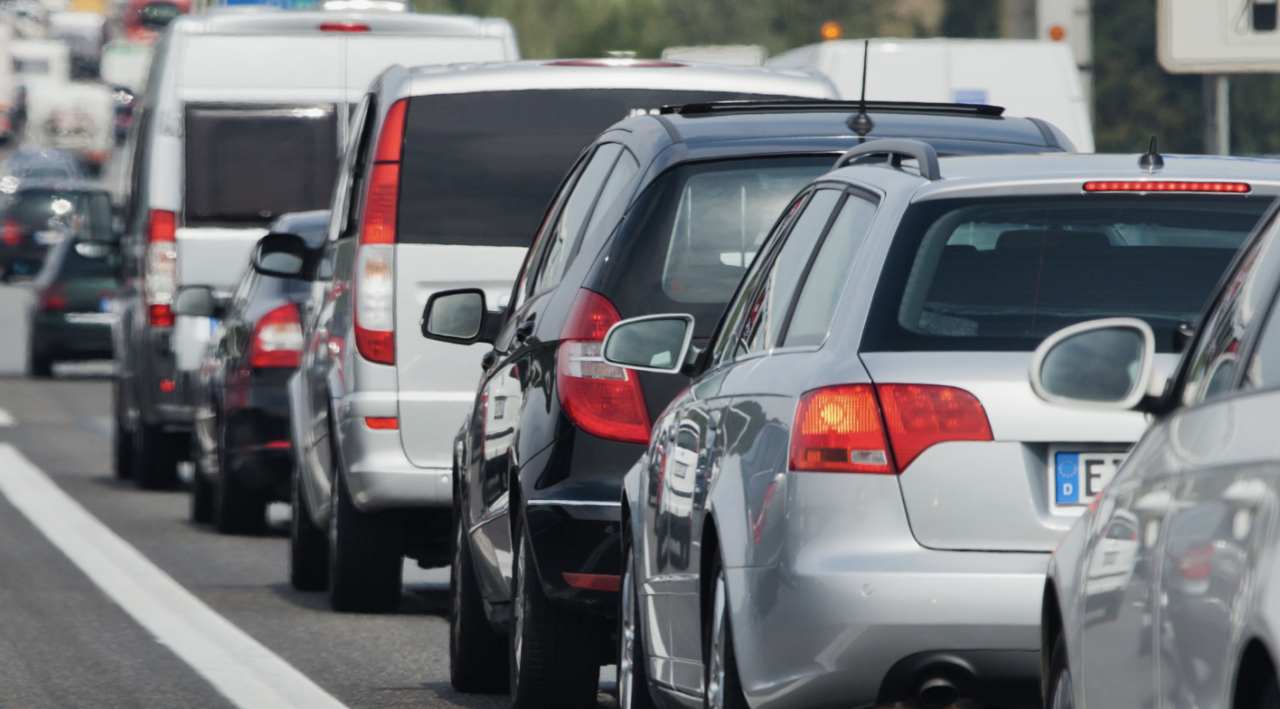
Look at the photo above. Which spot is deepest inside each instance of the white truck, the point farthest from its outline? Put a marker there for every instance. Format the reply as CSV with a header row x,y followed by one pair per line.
x,y
1031,78
74,116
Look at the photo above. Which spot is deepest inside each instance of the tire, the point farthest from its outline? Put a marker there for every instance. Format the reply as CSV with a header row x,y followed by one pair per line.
x,y
1061,694
40,365
155,458
633,661
478,654
237,509
366,554
308,544
1270,697
555,662
201,491
121,437
723,688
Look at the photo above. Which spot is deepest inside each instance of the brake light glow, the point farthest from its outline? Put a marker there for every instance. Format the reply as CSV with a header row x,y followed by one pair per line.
x,y
382,423
277,339
919,416
53,297
838,430
343,27
1166,186
1196,563
162,266
601,399
375,259
12,233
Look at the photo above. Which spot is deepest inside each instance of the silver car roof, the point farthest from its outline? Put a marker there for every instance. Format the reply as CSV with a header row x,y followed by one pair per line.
x,y
614,74
1066,173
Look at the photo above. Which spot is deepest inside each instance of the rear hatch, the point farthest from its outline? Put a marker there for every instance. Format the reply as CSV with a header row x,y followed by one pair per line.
x,y
970,288
478,172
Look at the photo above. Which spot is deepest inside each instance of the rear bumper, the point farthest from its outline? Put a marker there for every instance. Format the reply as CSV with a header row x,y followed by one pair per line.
x,y
380,475
59,336
259,449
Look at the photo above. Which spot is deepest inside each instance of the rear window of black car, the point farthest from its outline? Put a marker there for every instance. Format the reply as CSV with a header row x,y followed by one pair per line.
x,y
83,214
254,163
1001,274
696,229
478,169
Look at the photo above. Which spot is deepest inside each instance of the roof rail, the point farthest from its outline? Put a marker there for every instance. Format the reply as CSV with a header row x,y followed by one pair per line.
x,y
801,105
896,149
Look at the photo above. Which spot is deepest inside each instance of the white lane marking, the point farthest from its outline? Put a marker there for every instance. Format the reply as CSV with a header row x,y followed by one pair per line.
x,y
7,419
249,675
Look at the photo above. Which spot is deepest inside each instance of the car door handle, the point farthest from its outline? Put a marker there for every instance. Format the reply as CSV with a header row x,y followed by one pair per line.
x,y
525,329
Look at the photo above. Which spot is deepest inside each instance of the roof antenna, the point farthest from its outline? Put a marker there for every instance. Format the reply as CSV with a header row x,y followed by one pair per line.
x,y
1151,161
862,123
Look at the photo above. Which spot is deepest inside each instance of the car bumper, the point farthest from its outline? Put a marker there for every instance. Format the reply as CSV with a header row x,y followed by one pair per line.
x,y
259,448
380,475
65,336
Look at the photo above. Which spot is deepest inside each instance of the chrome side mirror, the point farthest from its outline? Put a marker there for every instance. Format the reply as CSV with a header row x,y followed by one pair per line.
x,y
280,255
459,316
195,301
1105,364
653,343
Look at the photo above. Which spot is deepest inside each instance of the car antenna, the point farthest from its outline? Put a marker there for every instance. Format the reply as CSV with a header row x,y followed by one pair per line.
x,y
1151,160
862,123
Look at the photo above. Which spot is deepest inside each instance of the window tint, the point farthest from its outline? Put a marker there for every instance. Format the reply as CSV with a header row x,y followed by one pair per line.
x,y
569,225
1001,274
821,291
355,169
529,272
86,215
479,168
252,164
769,309
625,169
1213,360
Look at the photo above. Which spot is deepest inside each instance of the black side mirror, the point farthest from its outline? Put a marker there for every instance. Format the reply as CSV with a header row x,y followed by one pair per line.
x,y
157,15
280,255
196,302
459,316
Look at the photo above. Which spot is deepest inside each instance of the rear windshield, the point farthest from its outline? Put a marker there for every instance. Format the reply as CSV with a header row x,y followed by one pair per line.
x,y
76,265
86,215
250,164
694,232
480,168
1002,274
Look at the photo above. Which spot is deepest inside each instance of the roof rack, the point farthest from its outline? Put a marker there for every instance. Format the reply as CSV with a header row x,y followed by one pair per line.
x,y
896,149
803,105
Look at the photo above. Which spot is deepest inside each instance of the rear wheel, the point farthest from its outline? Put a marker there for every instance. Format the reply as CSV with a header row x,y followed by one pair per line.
x,y
554,658
237,508
477,653
121,436
155,458
723,688
201,490
633,663
366,554
41,366
308,545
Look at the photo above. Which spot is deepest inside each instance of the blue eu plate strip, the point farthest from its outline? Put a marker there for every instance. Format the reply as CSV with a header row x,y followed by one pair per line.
x,y
1067,478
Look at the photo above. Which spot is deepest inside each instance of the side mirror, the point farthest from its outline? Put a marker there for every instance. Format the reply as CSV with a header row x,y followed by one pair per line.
x,y
653,343
195,301
157,15
459,316
1105,364
280,255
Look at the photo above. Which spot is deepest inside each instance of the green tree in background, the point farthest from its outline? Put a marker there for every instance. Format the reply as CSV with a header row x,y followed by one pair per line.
x,y
971,18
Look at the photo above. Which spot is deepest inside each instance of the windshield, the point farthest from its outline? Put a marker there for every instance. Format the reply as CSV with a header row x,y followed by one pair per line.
x,y
1002,274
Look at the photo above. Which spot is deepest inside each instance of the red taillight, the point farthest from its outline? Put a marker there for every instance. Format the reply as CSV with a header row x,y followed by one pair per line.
x,y
163,226
382,423
594,582
919,416
599,398
277,339
52,297
1165,186
1196,563
844,429
343,27
159,315
375,269
12,233
168,386
838,430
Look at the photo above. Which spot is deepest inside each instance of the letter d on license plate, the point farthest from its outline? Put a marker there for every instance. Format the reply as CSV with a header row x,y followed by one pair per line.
x,y
1076,478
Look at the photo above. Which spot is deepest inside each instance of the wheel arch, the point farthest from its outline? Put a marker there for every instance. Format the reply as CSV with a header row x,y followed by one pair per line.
x,y
1255,670
1050,629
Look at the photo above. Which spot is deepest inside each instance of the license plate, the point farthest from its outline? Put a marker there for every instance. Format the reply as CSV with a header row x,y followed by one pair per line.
x,y
107,305
213,325
1078,477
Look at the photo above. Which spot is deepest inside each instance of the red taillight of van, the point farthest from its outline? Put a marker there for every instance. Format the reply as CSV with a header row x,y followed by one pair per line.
x,y
599,398
162,266
858,428
277,339
375,258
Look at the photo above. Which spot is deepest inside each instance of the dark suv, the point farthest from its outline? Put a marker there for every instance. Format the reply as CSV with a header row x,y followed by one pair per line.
x,y
670,223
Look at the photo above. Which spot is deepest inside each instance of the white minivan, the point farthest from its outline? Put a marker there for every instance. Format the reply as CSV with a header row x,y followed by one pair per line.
x,y
1030,78
239,123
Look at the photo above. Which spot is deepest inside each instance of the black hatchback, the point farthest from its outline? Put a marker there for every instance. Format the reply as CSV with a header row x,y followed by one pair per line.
x,y
661,213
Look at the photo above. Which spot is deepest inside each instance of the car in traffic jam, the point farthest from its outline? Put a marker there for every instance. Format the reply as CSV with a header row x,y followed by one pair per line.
x,y
696,381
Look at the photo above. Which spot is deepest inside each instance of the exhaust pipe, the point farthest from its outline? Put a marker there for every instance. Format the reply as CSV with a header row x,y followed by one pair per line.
x,y
937,693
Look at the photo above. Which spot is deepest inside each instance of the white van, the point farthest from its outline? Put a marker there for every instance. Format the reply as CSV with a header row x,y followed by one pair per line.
x,y
125,64
1031,78
239,123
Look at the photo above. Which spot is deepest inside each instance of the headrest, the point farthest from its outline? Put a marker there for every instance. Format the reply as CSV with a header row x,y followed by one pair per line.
x,y
1050,239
